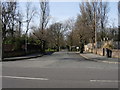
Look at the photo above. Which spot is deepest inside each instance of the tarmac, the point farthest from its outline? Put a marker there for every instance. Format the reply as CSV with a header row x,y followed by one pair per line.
x,y
86,55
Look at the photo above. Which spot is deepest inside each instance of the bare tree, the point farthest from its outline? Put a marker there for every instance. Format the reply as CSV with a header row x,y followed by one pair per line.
x,y
84,23
8,21
103,17
92,16
30,12
119,23
44,19
56,32
44,12
8,18
13,15
69,26
19,23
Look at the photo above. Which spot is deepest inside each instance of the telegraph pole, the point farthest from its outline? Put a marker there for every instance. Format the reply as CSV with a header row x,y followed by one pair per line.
x,y
1,39
95,35
95,28
119,25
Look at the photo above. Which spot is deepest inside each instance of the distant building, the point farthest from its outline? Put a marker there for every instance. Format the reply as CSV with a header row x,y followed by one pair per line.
x,y
88,47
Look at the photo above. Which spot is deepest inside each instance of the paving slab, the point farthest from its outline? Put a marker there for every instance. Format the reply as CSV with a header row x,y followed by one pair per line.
x,y
99,58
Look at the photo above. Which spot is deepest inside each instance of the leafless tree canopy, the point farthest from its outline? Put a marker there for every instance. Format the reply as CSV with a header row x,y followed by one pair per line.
x,y
55,33
44,10
8,17
30,12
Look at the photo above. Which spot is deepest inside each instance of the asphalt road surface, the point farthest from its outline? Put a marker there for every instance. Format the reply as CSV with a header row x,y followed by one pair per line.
x,y
59,70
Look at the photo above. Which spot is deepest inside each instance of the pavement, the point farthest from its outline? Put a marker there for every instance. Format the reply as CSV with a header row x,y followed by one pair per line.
x,y
27,56
99,58
59,70
23,57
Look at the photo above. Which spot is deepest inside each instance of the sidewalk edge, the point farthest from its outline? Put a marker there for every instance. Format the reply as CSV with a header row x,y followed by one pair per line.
x,y
14,59
99,60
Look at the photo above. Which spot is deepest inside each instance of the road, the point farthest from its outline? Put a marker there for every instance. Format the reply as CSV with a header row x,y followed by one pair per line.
x,y
59,70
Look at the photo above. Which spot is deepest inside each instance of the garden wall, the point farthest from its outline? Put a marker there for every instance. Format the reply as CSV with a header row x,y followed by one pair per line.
x,y
115,52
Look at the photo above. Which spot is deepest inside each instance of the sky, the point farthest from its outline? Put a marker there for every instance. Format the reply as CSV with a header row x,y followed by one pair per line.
x,y
113,13
60,11
64,10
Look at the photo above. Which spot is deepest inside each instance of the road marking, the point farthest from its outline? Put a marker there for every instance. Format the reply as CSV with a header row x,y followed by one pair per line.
x,y
27,78
84,56
106,81
111,62
94,67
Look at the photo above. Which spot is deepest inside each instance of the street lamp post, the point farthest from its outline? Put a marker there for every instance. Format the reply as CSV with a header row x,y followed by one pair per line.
x,y
26,44
26,39
20,22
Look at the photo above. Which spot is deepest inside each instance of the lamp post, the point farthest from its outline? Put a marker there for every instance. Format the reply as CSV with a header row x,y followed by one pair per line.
x,y
26,44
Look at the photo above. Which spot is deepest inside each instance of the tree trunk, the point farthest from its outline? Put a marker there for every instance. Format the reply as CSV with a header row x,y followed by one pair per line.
x,y
44,45
1,47
2,53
